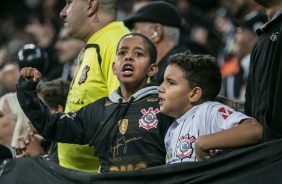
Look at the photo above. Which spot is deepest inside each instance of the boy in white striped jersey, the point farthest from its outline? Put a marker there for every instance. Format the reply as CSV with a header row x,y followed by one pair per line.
x,y
202,126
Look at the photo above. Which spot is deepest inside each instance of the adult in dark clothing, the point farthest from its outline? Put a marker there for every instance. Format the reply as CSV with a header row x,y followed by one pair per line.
x,y
161,22
264,85
126,128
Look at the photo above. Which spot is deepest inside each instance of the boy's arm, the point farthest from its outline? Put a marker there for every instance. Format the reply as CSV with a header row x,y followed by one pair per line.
x,y
57,126
248,132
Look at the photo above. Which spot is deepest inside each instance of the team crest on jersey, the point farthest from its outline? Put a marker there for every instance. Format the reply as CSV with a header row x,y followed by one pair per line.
x,y
185,148
108,103
225,113
149,119
83,76
122,125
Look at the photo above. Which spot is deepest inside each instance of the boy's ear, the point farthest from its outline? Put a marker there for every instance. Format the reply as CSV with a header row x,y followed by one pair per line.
x,y
92,7
113,68
195,94
152,70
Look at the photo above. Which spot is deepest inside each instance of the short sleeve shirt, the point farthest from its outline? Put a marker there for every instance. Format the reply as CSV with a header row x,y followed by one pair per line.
x,y
207,118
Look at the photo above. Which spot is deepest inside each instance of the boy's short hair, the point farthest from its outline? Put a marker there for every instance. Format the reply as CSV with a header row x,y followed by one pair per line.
x,y
201,71
54,92
151,47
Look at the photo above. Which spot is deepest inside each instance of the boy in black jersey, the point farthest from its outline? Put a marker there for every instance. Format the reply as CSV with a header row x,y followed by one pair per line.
x,y
126,128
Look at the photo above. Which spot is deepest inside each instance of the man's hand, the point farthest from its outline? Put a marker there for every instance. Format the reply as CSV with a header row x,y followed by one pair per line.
x,y
33,148
29,144
29,72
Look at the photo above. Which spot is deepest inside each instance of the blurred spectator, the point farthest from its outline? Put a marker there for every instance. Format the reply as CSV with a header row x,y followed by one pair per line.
x,y
245,38
9,75
43,14
67,50
230,55
226,24
225,4
9,68
204,5
30,55
43,33
27,22
43,26
182,5
54,93
139,4
7,124
12,26
124,8
199,16
241,8
13,122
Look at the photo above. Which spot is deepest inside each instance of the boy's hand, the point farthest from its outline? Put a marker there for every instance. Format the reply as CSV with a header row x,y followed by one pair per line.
x,y
29,72
201,153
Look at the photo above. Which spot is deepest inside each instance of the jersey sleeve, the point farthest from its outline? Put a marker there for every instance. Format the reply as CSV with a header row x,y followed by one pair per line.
x,y
58,127
225,117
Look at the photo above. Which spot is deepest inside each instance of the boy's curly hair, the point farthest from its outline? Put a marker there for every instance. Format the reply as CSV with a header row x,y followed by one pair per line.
x,y
200,71
54,92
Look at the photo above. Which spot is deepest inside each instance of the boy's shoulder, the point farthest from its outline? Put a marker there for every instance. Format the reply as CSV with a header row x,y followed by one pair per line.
x,y
104,101
210,108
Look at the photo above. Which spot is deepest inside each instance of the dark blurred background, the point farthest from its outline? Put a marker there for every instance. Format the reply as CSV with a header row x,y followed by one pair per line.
x,y
211,24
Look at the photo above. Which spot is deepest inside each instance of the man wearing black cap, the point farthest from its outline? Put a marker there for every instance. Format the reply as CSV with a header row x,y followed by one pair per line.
x,y
245,37
161,22
264,84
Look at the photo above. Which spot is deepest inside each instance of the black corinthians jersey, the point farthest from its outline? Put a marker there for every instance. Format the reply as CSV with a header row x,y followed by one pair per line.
x,y
126,135
135,141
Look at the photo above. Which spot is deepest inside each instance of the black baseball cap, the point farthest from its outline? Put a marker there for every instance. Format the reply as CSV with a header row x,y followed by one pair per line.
x,y
156,12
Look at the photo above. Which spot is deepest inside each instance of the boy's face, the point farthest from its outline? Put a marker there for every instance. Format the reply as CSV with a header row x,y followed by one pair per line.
x,y
174,92
132,65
